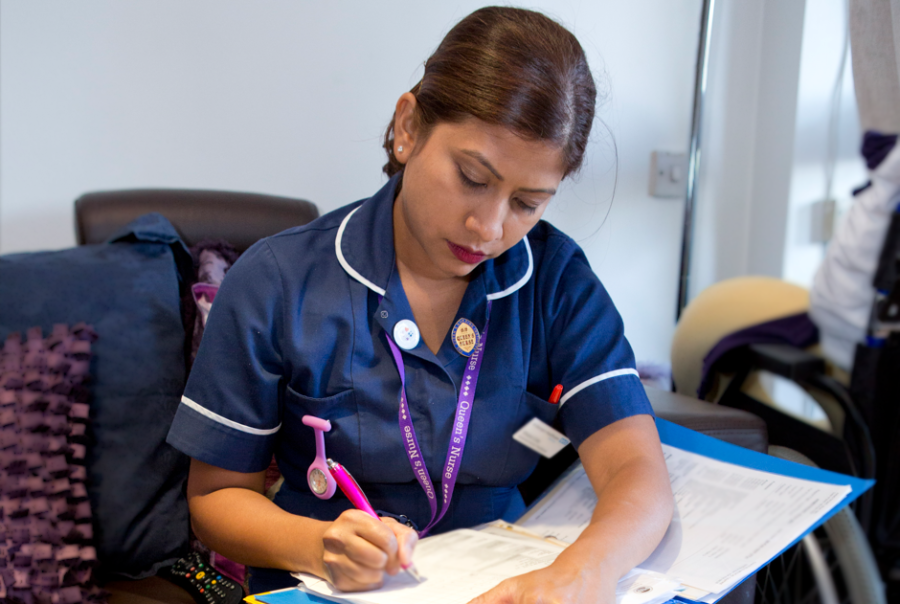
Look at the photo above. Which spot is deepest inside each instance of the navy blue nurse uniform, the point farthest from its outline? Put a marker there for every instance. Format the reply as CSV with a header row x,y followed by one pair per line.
x,y
299,327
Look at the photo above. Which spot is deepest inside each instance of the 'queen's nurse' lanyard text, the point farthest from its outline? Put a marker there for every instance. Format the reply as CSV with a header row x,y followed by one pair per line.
x,y
457,434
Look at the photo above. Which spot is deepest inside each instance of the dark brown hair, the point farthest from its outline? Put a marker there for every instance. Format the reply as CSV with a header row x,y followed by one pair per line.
x,y
508,67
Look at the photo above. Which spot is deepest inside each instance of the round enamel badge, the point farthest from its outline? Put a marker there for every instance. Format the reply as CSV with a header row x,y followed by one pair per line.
x,y
406,334
464,337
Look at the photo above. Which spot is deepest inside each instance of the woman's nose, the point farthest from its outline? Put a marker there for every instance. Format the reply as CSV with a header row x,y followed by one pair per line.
x,y
487,221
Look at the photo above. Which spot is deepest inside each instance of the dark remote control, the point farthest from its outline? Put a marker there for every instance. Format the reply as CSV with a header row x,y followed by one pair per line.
x,y
195,574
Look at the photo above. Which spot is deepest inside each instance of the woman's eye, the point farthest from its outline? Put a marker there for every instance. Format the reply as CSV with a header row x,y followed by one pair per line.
x,y
526,207
469,182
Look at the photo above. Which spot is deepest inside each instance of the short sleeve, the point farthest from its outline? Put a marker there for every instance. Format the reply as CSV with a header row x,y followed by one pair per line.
x,y
587,350
230,413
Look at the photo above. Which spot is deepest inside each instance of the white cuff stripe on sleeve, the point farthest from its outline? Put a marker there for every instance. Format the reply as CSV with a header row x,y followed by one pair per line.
x,y
225,421
594,380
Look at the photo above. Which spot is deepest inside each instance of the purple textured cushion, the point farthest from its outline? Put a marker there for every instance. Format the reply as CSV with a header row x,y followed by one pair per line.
x,y
46,535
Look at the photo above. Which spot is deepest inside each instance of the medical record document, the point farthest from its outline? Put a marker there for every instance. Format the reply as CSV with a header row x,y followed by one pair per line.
x,y
460,565
730,519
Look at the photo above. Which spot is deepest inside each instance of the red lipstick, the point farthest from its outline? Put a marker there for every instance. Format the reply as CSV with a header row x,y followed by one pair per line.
x,y
464,254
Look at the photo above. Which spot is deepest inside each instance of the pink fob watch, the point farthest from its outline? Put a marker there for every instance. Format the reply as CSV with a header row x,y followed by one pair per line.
x,y
321,483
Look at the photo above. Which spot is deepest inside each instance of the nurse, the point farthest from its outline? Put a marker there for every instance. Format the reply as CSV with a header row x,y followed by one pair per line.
x,y
427,324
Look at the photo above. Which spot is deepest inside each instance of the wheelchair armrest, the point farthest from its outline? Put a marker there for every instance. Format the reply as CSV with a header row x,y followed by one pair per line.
x,y
806,370
785,360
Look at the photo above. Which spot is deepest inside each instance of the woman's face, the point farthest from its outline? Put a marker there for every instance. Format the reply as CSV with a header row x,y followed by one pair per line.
x,y
470,192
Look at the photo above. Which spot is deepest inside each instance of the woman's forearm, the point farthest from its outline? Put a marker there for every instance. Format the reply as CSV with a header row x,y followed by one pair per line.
x,y
632,514
245,526
626,467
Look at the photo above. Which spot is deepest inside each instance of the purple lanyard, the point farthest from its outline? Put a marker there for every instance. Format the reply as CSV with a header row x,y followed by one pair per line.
x,y
457,436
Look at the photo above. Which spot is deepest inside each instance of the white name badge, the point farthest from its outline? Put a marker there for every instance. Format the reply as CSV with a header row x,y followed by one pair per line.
x,y
539,437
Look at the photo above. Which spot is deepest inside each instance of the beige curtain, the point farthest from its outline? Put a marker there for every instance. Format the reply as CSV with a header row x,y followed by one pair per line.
x,y
875,46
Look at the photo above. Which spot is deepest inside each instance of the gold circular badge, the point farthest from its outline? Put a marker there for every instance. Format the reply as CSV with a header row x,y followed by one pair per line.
x,y
465,337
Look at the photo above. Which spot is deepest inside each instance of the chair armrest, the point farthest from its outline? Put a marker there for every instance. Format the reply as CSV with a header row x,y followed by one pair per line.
x,y
730,425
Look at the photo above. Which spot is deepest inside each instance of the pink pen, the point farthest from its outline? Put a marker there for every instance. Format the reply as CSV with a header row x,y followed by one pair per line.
x,y
354,493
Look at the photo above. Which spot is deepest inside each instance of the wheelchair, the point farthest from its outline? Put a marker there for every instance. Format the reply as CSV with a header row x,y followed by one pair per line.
x,y
748,343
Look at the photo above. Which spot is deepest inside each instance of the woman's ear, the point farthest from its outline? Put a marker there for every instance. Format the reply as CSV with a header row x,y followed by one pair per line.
x,y
405,127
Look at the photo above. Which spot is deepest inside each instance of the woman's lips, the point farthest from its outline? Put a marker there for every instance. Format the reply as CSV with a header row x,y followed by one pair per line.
x,y
467,256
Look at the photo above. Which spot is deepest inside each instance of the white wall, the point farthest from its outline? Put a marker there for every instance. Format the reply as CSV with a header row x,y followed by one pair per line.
x,y
291,98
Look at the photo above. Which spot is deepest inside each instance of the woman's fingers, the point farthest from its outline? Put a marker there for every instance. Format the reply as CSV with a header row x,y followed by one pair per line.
x,y
361,538
549,585
406,539
359,549
501,594
365,553
347,575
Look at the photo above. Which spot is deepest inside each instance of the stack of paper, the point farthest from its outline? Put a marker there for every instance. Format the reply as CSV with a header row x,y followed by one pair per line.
x,y
460,565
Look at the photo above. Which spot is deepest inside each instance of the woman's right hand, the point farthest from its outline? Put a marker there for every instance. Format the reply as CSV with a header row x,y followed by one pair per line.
x,y
359,549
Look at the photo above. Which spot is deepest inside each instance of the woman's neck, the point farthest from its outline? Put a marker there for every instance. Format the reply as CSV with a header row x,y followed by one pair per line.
x,y
434,303
433,298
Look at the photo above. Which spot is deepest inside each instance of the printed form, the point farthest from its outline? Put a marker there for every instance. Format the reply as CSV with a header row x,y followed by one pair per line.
x,y
729,520
460,565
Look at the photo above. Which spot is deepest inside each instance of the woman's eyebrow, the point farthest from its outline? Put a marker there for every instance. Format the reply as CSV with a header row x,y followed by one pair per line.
x,y
484,162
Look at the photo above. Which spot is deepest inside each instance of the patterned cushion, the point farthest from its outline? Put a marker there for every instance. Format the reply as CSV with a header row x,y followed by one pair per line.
x,y
46,551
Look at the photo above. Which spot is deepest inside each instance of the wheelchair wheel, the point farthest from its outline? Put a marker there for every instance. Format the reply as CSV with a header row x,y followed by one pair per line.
x,y
833,564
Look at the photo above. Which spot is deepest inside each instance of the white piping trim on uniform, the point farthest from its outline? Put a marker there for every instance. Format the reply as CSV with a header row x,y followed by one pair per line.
x,y
355,274
518,284
227,422
594,380
340,256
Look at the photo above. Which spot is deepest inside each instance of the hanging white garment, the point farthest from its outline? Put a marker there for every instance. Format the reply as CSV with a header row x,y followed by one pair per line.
x,y
842,293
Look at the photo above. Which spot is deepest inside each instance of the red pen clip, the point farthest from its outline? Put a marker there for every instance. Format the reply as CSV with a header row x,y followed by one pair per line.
x,y
556,394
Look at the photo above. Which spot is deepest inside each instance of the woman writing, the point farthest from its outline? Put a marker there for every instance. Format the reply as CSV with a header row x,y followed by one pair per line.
x,y
367,318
